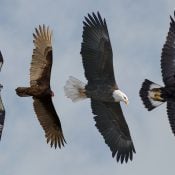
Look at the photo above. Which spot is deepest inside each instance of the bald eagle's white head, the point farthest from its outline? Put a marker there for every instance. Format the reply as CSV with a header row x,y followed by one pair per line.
x,y
118,96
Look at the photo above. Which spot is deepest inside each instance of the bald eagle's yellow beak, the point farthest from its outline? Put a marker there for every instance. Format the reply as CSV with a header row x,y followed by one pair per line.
x,y
126,102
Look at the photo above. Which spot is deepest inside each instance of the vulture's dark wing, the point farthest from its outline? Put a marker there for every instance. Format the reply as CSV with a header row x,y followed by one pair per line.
x,y
41,64
49,120
171,114
168,56
2,116
96,51
114,129
1,60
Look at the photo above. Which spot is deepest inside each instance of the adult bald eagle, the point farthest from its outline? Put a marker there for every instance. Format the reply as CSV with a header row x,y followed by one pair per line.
x,y
40,90
101,88
2,110
153,94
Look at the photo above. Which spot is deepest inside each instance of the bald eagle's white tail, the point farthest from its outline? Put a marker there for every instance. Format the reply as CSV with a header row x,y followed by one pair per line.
x,y
75,89
151,94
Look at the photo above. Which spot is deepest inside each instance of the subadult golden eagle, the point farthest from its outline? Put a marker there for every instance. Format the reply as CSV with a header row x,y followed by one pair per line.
x,y
101,88
40,72
153,94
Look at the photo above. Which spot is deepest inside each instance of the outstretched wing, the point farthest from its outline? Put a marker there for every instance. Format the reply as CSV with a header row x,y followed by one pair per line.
x,y
49,120
41,64
171,114
1,60
2,117
114,129
96,51
168,56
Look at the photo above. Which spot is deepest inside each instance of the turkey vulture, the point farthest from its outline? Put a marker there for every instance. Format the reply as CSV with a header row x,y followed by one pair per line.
x,y
40,90
2,110
101,88
153,94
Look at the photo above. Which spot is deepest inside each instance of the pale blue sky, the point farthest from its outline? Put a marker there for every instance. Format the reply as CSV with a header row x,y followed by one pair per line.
x,y
137,30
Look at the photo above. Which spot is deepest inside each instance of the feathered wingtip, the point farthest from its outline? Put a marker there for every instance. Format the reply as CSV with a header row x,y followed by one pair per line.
x,y
2,117
1,60
147,94
42,37
94,20
172,18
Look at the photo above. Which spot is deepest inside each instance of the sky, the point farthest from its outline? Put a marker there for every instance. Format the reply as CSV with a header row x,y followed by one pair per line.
x,y
137,31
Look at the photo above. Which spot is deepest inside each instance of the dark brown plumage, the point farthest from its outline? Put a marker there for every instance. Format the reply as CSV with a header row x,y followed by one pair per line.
x,y
40,90
153,94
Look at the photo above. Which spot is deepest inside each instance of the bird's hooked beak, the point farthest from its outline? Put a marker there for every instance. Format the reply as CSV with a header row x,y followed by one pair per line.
x,y
126,102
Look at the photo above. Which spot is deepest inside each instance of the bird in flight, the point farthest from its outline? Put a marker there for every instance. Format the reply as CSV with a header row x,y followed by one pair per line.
x,y
40,90
101,88
152,94
2,110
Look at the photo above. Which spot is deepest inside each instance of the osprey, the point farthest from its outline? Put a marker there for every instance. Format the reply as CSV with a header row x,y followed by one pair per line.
x,y
40,90
2,110
153,94
101,88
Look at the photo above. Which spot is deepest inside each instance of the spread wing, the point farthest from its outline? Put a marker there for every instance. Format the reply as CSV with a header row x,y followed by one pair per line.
x,y
2,117
49,120
96,51
114,129
171,114
168,56
41,64
1,60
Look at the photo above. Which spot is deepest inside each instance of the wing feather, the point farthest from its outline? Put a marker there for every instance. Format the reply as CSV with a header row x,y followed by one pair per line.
x,y
96,50
2,117
41,64
168,56
49,120
171,114
112,125
1,60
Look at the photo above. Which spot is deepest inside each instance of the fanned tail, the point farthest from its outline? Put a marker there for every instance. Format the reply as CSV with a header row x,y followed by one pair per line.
x,y
75,89
151,94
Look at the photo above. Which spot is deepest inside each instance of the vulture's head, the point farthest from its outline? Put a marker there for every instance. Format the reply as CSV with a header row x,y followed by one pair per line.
x,y
50,92
118,96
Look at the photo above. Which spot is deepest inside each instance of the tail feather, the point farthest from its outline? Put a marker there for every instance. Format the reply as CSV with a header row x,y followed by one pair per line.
x,y
150,94
75,89
22,91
